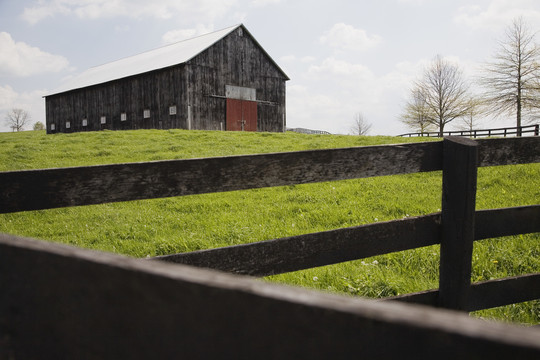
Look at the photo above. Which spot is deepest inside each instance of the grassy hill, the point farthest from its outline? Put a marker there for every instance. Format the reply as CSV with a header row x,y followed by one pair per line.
x,y
35,149
164,226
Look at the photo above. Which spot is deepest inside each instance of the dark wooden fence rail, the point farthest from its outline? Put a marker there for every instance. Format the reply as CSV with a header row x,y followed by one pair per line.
x,y
455,228
52,188
531,130
301,252
60,302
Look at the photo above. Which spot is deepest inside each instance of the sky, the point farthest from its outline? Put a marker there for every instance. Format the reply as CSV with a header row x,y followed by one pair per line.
x,y
343,57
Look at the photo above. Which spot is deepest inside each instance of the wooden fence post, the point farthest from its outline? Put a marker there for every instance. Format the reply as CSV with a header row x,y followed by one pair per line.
x,y
458,207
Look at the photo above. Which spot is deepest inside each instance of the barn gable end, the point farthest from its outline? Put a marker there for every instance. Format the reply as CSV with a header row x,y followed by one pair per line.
x,y
191,94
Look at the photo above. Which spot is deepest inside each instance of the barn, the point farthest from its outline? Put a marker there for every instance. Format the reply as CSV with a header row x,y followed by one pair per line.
x,y
222,80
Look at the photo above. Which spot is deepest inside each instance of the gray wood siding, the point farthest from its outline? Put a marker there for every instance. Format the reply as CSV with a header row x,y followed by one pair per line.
x,y
239,61
155,91
236,60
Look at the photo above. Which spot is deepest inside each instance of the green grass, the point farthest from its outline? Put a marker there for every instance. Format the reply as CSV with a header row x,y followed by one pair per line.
x,y
164,226
36,150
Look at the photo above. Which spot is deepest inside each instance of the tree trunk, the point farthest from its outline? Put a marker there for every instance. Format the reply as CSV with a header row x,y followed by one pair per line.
x,y
441,129
518,113
518,100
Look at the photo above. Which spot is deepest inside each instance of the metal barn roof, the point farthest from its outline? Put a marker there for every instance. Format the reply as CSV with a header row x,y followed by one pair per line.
x,y
159,58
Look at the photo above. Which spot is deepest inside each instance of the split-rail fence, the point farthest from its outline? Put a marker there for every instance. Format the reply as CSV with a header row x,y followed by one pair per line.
x,y
58,301
527,130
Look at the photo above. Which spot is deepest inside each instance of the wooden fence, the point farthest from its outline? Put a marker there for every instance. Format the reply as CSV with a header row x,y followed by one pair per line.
x,y
531,130
67,302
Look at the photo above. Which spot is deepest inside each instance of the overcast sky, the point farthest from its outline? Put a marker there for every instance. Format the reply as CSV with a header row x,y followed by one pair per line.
x,y
343,56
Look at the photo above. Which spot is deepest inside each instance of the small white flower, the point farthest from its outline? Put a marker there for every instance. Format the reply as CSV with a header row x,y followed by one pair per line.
x,y
315,278
375,262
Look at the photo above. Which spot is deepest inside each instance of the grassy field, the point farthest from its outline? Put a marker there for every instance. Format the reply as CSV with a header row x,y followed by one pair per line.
x,y
164,226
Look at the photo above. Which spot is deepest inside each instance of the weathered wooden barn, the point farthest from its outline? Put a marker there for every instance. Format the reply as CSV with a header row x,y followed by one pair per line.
x,y
223,80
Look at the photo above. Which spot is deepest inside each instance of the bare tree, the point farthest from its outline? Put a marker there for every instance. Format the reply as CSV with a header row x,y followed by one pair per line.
x,y
444,92
360,126
511,80
471,120
416,113
16,119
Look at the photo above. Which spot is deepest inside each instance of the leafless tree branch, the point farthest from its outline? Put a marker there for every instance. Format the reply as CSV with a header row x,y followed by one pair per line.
x,y
16,119
511,81
360,125
441,96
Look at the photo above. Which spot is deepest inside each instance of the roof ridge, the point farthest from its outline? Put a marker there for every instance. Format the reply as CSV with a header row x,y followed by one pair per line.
x,y
158,58
164,46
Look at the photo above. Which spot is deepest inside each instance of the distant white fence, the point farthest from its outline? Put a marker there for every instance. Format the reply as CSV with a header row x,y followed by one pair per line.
x,y
309,131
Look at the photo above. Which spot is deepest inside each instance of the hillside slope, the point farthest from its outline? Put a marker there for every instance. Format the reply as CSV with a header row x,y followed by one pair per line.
x,y
164,226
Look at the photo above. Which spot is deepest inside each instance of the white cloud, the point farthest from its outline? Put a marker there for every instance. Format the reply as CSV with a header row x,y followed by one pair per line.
x,y
7,97
346,37
44,10
261,3
32,102
307,59
314,110
21,59
122,28
497,14
401,78
328,94
332,66
288,58
414,2
206,10
293,58
183,34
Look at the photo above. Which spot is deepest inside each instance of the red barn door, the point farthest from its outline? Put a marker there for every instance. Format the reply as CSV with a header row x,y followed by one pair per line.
x,y
241,115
